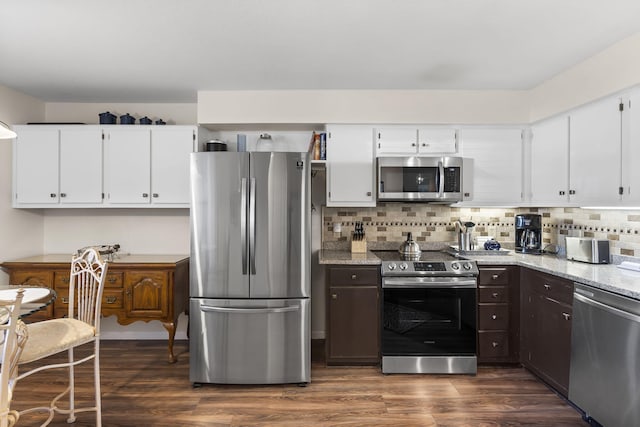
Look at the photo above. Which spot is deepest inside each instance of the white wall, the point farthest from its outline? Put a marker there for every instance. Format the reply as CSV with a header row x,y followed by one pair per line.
x,y
174,114
607,72
21,232
363,106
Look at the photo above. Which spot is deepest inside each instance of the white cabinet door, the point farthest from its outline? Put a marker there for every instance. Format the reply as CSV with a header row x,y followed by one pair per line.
x,y
497,165
432,140
595,154
396,140
81,165
631,150
36,166
350,166
128,166
170,150
550,162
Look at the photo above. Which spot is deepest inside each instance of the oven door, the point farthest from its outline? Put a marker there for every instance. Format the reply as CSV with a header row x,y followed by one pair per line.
x,y
429,318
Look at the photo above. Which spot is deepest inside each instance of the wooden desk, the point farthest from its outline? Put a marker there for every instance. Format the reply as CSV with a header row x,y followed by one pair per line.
x,y
137,287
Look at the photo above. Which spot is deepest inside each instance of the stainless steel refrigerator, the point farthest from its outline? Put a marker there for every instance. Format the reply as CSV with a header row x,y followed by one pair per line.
x,y
249,318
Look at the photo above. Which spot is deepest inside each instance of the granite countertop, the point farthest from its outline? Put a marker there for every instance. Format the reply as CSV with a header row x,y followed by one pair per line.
x,y
603,276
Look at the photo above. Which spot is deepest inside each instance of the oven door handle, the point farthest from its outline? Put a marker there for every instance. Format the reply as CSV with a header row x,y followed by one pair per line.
x,y
429,282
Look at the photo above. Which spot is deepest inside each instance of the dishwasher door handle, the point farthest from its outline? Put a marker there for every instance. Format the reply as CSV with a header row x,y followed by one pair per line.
x,y
605,307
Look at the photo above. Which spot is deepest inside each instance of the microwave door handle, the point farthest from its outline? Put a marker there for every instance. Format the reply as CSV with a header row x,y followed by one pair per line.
x,y
243,223
252,225
441,175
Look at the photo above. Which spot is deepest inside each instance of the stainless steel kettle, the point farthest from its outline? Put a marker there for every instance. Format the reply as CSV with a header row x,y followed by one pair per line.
x,y
410,248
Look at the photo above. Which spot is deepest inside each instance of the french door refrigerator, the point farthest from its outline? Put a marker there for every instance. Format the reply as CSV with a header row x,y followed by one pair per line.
x,y
249,318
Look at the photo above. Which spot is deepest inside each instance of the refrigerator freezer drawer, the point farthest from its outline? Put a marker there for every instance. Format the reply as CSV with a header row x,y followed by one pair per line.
x,y
249,341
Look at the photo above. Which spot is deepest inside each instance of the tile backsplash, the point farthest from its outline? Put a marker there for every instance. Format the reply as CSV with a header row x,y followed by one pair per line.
x,y
435,224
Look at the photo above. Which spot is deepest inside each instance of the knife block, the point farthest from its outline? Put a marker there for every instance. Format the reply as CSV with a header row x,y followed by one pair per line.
x,y
358,246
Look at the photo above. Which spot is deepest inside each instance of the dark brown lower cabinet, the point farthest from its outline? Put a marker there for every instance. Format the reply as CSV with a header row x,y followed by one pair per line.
x,y
546,327
498,314
353,315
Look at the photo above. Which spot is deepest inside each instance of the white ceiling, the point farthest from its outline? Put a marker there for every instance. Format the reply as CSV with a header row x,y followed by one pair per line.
x,y
167,50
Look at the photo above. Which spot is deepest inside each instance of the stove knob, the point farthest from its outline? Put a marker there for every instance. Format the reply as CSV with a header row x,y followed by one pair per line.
x,y
466,266
392,266
403,266
455,266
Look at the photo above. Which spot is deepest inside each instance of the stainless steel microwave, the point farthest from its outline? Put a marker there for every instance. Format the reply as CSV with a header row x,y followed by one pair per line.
x,y
424,179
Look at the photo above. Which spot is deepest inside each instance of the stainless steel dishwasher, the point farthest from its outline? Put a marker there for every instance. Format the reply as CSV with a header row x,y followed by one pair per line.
x,y
605,357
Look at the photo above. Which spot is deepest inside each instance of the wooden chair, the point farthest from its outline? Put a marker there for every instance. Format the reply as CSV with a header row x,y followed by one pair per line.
x,y
13,335
82,326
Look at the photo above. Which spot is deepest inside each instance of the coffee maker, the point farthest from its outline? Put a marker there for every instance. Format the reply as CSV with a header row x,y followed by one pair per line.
x,y
528,233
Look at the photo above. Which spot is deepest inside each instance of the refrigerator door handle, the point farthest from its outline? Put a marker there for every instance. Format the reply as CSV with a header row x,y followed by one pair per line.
x,y
249,310
243,223
252,225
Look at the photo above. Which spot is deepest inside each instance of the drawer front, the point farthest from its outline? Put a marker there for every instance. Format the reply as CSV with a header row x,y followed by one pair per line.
x,y
111,298
114,280
493,276
31,278
493,294
493,317
493,344
353,276
61,279
553,287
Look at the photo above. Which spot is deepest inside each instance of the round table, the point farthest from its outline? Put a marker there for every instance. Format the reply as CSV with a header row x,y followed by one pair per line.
x,y
35,298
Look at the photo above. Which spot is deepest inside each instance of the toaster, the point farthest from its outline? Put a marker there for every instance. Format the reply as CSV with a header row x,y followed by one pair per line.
x,y
588,250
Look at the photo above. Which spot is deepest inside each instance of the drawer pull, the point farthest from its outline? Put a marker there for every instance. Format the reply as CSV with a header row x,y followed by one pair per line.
x,y
65,280
495,277
495,344
111,300
495,294
354,277
334,296
112,279
494,316
65,300
547,286
566,316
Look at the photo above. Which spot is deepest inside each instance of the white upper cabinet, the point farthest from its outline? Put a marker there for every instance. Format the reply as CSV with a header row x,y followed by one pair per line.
x,y
148,166
437,140
350,166
595,154
422,140
396,140
497,165
631,149
170,151
57,166
550,162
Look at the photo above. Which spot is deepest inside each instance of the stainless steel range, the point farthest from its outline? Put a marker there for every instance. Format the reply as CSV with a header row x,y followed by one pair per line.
x,y
429,313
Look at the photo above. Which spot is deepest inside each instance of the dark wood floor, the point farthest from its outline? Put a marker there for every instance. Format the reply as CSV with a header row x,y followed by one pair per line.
x,y
141,389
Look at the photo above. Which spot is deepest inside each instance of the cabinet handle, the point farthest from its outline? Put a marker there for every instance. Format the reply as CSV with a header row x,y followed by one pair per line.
x,y
111,279
111,300
566,316
369,193
52,195
354,277
145,195
562,193
495,277
547,286
155,195
572,191
65,300
495,294
494,317
413,144
128,292
495,344
63,194
334,296
424,145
